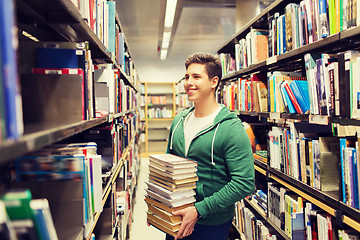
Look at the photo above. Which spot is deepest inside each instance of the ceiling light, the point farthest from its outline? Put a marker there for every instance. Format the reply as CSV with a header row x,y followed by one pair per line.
x,y
166,40
170,12
163,54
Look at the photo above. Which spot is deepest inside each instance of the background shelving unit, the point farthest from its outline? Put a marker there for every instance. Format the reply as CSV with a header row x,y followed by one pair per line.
x,y
157,123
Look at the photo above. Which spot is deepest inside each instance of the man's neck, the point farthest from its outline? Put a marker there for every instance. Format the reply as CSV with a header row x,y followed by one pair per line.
x,y
205,108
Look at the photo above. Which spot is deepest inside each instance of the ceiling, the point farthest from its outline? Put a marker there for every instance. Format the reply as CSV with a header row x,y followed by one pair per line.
x,y
203,26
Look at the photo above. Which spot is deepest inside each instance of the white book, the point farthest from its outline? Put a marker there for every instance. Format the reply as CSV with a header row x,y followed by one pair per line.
x,y
171,203
171,195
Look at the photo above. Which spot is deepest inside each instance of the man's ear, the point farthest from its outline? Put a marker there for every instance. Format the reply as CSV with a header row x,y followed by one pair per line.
x,y
215,81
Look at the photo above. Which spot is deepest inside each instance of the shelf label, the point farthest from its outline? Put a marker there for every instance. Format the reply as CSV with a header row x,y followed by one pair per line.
x,y
271,60
275,115
319,119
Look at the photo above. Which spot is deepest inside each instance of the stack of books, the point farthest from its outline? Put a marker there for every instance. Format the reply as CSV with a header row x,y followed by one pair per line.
x,y
171,185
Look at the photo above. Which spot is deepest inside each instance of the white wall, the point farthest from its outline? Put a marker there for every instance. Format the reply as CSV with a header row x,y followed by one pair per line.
x,y
163,72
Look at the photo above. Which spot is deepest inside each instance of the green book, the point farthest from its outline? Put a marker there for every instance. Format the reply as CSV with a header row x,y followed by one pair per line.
x,y
332,17
18,204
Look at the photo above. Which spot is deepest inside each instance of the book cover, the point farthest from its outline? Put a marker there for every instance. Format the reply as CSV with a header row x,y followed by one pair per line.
x,y
329,162
300,90
292,97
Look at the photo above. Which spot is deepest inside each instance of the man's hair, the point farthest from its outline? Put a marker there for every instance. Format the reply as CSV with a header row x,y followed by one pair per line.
x,y
211,61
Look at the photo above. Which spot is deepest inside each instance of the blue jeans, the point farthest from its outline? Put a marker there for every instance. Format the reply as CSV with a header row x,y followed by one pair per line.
x,y
203,232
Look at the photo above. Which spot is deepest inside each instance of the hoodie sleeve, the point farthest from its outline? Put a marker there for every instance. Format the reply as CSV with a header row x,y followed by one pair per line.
x,y
239,161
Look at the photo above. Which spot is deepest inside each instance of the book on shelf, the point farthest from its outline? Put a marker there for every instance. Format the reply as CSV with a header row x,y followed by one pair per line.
x,y
30,218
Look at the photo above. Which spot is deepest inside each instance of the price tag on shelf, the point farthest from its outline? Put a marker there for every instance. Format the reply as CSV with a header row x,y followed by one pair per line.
x,y
271,60
319,119
275,115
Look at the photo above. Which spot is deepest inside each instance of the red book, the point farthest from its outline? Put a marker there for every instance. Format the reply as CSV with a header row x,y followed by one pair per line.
x,y
61,71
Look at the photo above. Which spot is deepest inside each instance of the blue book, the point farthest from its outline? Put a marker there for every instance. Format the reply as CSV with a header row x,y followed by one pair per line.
x,y
342,165
60,58
301,91
121,49
43,220
355,179
298,226
289,104
12,96
111,30
324,23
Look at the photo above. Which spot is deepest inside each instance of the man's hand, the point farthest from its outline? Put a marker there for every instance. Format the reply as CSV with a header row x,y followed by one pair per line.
x,y
189,218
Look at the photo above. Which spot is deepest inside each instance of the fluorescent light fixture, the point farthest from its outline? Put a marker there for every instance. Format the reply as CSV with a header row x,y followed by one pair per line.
x,y
163,54
170,12
28,35
166,40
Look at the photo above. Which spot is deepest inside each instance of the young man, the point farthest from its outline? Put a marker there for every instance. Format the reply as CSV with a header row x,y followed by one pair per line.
x,y
215,138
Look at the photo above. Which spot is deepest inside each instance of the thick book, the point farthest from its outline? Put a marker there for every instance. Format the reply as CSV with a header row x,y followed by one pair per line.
x,y
171,170
168,216
161,224
170,160
170,195
176,202
171,186
164,207
167,174
173,181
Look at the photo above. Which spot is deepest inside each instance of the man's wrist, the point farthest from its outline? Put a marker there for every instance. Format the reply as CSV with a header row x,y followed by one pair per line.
x,y
198,214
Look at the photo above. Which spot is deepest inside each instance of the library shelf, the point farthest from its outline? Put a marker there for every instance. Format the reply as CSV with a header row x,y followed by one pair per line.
x,y
40,135
264,216
107,189
293,61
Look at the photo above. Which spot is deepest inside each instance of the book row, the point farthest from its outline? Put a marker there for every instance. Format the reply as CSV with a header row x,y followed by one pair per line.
x,y
160,113
83,91
328,87
296,26
171,184
314,157
299,218
67,65
156,100
101,18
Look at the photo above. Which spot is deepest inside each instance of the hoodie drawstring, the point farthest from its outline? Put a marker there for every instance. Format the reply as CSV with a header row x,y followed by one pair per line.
x,y
212,145
171,141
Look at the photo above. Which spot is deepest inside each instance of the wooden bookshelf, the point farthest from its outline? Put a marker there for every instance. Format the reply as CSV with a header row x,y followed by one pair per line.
x,y
157,125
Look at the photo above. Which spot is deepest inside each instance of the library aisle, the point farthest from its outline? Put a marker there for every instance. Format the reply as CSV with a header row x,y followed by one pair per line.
x,y
139,229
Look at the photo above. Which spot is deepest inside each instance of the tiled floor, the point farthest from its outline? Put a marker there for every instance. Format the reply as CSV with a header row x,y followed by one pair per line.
x,y
139,229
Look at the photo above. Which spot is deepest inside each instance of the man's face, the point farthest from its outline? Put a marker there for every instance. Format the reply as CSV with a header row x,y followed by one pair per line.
x,y
197,84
